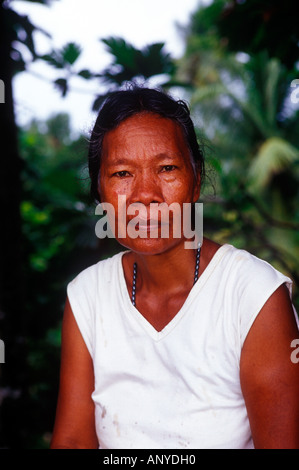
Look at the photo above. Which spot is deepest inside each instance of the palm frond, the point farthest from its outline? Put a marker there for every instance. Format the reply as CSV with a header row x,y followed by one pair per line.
x,y
275,155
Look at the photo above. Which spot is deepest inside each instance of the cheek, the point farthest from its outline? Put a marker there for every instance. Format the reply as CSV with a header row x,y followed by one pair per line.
x,y
180,190
110,189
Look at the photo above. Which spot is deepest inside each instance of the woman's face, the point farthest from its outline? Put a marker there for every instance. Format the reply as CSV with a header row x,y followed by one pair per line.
x,y
146,164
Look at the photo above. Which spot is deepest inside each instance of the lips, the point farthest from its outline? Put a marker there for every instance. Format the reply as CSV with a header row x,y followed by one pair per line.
x,y
148,223
148,226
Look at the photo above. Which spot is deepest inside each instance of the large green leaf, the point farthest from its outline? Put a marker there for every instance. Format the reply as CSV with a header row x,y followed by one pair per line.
x,y
215,91
64,57
124,54
275,155
130,62
70,53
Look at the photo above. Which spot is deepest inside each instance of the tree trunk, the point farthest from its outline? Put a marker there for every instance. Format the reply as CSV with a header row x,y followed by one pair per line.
x,y
11,285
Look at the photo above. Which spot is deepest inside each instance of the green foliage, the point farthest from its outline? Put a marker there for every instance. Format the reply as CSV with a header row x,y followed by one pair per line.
x,y
270,26
20,32
63,59
59,241
54,205
244,106
130,64
274,156
133,62
235,73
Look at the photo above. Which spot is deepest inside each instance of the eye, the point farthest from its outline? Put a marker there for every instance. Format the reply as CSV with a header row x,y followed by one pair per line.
x,y
121,174
168,168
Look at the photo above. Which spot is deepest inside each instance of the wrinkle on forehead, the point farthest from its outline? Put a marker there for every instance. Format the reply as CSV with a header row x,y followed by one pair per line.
x,y
152,129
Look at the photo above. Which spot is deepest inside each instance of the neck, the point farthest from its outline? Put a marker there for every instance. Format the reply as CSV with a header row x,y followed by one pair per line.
x,y
164,272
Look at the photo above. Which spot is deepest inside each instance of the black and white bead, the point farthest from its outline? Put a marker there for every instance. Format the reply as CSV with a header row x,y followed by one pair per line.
x,y
133,298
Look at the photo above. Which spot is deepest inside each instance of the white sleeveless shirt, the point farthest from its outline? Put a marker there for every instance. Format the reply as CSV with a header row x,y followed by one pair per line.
x,y
180,387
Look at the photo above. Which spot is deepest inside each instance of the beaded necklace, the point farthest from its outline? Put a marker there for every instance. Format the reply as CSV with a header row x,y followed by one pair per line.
x,y
133,297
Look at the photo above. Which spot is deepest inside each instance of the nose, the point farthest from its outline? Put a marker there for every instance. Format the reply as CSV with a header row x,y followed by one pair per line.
x,y
147,190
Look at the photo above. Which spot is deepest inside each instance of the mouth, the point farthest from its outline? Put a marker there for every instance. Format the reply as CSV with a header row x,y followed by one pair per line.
x,y
147,225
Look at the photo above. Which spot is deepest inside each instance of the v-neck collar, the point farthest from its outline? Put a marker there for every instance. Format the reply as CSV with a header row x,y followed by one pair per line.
x,y
147,326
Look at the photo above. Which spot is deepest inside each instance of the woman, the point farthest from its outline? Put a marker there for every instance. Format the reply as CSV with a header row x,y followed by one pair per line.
x,y
163,346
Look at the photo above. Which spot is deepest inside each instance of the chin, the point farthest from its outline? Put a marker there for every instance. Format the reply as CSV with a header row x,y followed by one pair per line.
x,y
149,246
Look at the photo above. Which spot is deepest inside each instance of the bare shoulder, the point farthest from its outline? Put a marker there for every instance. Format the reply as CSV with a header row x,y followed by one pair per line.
x,y
74,429
269,379
274,326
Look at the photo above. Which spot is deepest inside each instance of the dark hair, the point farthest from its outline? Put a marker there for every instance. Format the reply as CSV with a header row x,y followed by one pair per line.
x,y
123,104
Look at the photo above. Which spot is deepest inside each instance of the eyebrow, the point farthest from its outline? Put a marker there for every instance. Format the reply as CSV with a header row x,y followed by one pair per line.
x,y
125,161
119,161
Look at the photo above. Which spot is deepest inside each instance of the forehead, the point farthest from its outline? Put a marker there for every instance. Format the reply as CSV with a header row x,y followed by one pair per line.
x,y
148,130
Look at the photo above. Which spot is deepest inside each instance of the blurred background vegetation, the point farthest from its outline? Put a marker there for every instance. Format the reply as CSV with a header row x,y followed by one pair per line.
x,y
239,61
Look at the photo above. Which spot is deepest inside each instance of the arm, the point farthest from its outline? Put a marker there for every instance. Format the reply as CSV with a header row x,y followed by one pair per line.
x,y
269,379
75,422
